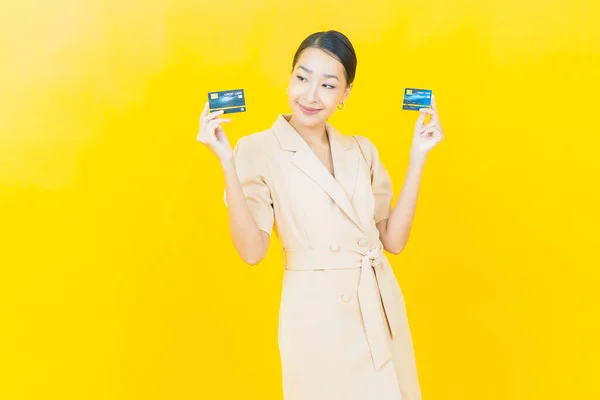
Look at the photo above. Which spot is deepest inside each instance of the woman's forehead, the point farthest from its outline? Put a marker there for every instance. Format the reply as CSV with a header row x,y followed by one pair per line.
x,y
318,60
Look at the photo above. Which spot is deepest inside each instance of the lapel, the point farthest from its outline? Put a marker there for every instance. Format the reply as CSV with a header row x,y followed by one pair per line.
x,y
345,163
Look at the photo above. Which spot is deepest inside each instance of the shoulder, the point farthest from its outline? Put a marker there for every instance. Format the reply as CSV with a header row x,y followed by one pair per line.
x,y
367,145
363,140
255,143
251,151
256,139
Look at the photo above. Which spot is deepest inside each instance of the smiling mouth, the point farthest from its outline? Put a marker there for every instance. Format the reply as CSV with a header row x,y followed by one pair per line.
x,y
309,109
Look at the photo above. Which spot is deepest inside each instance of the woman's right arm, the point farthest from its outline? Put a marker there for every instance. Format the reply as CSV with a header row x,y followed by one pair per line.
x,y
249,240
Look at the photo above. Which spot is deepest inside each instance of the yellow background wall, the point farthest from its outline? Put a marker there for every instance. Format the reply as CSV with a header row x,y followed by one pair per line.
x,y
118,279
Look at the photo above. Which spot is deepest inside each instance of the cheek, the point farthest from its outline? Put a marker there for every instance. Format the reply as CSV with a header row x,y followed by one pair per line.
x,y
294,90
329,97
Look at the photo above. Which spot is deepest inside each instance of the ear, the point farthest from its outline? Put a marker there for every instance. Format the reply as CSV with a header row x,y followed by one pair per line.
x,y
347,92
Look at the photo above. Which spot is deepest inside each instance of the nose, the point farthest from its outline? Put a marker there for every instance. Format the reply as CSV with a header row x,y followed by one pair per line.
x,y
311,93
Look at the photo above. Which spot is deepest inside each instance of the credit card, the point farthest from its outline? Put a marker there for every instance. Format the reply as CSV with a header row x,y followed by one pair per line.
x,y
416,98
230,101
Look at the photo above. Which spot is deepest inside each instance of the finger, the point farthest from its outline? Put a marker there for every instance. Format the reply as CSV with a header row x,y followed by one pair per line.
x,y
216,122
427,131
429,125
226,120
211,116
433,105
202,115
429,111
214,115
432,112
422,117
434,132
221,137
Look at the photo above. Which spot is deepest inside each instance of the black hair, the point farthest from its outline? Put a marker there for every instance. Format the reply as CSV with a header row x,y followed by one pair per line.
x,y
335,44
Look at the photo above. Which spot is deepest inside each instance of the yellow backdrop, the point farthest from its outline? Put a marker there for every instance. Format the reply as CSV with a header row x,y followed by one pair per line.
x,y
118,279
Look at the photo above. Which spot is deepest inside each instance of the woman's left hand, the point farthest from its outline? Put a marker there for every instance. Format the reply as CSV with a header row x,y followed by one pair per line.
x,y
427,136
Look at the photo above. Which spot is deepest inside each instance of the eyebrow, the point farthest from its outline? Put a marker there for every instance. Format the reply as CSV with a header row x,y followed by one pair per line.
x,y
325,75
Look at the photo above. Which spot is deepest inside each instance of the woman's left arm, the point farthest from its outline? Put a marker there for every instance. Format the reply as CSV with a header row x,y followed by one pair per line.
x,y
395,230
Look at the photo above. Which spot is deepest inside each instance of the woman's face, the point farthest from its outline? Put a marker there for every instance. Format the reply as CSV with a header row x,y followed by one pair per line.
x,y
316,87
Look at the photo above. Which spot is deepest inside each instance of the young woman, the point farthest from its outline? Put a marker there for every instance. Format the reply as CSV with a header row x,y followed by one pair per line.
x,y
343,329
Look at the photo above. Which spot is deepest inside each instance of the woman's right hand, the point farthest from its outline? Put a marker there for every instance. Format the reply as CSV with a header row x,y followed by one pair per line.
x,y
211,134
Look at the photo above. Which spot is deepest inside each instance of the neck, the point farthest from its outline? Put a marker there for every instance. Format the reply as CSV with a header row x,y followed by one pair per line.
x,y
313,135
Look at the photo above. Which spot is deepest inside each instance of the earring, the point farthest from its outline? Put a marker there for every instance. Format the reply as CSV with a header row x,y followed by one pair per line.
x,y
343,105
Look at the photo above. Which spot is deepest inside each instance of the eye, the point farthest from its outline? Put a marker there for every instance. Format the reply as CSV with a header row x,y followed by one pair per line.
x,y
300,77
330,87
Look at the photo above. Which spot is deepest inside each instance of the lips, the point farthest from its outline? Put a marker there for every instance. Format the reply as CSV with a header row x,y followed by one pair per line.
x,y
308,110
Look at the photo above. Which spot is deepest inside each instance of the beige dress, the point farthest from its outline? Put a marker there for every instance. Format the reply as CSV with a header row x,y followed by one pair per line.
x,y
343,329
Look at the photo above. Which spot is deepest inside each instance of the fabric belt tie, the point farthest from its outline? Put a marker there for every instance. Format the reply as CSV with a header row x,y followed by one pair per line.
x,y
374,319
370,297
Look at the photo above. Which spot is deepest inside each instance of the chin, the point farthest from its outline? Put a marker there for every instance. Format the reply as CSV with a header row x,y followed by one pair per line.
x,y
310,120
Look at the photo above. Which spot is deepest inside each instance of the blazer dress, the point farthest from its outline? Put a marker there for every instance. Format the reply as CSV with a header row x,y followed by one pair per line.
x,y
343,329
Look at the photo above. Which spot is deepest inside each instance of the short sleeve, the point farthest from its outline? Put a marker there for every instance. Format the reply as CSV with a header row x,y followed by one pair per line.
x,y
252,172
381,184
